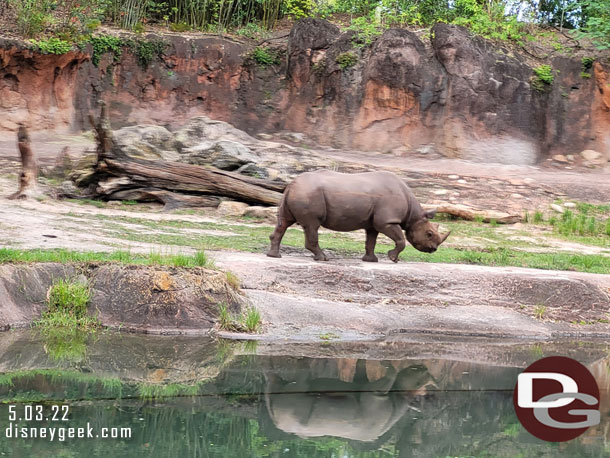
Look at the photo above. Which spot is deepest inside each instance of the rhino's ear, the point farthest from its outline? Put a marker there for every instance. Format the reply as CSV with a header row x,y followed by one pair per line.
x,y
430,214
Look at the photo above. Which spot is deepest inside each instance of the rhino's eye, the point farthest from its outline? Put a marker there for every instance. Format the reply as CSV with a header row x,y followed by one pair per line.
x,y
429,234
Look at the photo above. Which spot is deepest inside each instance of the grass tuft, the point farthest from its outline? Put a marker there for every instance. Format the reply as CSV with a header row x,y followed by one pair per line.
x,y
249,320
233,280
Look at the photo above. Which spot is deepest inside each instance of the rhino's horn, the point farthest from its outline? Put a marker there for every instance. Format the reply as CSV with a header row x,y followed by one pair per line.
x,y
444,237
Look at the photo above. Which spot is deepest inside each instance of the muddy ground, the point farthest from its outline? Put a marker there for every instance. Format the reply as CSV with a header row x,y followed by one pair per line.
x,y
345,298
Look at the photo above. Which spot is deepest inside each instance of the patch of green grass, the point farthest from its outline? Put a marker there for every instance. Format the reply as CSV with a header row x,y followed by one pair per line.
x,y
12,255
252,320
95,203
69,295
150,391
67,302
225,319
540,311
588,223
328,336
497,250
129,202
248,320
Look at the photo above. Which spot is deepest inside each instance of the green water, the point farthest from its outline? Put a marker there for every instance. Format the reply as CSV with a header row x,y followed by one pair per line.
x,y
193,397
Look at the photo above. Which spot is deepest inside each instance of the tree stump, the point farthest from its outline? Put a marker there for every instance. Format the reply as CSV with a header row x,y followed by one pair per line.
x,y
28,186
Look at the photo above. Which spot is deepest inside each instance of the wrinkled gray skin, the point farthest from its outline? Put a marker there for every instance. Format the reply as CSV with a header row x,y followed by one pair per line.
x,y
374,201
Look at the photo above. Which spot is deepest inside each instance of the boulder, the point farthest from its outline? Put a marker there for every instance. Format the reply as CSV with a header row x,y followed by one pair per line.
x,y
231,208
557,208
266,213
591,155
146,142
202,128
224,154
252,170
560,158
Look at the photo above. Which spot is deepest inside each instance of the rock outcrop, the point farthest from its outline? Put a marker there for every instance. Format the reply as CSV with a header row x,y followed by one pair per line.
x,y
456,95
147,299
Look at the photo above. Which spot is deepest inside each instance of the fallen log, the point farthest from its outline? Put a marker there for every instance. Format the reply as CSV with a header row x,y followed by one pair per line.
x,y
28,185
119,176
171,200
471,214
178,177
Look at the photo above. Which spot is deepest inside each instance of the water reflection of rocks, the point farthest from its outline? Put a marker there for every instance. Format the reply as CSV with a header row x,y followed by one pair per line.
x,y
197,397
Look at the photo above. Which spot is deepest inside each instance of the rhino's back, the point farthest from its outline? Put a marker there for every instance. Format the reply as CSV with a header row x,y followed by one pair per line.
x,y
336,183
346,202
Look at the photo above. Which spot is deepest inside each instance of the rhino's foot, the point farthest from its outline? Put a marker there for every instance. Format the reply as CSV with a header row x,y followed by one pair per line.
x,y
320,257
393,255
370,258
274,254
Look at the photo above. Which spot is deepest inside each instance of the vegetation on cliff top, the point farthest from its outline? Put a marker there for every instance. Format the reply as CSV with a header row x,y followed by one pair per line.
x,y
73,21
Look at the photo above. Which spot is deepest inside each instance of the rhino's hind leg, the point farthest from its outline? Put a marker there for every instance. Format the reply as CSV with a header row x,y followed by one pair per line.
x,y
395,233
283,223
371,241
311,243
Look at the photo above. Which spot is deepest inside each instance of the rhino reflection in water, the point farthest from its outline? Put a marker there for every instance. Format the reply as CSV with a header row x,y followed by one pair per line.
x,y
360,410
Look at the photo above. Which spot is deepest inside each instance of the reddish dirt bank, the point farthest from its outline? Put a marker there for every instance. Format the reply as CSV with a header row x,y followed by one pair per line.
x,y
456,95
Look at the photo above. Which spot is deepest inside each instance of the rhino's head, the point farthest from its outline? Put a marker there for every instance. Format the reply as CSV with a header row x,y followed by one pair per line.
x,y
423,235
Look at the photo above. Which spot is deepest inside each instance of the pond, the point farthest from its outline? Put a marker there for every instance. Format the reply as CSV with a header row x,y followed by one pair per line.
x,y
196,397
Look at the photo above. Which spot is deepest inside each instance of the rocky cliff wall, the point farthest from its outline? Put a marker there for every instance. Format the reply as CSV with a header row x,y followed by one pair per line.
x,y
457,95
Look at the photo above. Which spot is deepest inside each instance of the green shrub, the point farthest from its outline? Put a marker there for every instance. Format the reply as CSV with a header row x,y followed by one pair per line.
x,y
104,44
543,78
347,59
51,46
252,30
32,15
597,26
179,27
298,9
147,51
587,63
488,20
265,56
366,31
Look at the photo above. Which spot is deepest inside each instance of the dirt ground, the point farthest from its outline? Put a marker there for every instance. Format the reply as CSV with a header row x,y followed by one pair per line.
x,y
345,298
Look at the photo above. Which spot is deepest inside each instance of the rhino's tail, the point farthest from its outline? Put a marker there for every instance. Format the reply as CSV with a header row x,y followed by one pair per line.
x,y
284,215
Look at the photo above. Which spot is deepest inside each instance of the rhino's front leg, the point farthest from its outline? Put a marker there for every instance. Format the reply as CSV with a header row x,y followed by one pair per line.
x,y
311,243
394,231
371,241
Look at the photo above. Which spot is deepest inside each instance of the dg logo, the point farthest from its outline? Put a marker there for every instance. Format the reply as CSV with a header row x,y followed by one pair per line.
x,y
557,399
